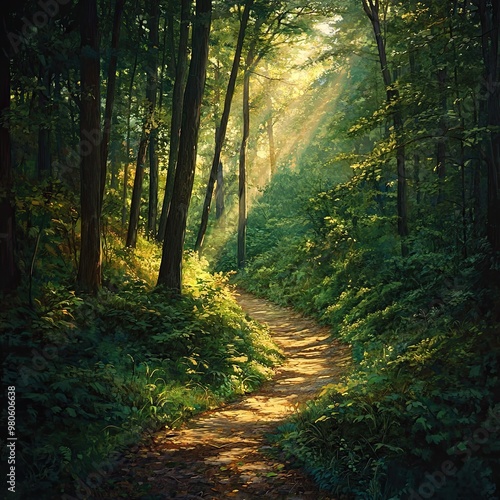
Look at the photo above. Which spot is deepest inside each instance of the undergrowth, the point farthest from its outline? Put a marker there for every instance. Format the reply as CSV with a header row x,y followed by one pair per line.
x,y
96,374
419,415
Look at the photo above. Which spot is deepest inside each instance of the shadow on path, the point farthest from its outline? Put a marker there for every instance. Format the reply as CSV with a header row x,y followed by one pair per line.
x,y
223,453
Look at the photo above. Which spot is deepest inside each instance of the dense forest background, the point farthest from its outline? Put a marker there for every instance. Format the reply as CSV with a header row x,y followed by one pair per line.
x,y
342,158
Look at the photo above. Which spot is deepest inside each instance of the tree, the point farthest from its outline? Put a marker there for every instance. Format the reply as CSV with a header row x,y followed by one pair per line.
x,y
147,127
89,270
372,10
110,91
152,90
43,157
242,183
9,273
489,15
170,274
222,127
175,123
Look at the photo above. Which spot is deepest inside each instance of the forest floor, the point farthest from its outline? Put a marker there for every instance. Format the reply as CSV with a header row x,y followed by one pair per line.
x,y
225,453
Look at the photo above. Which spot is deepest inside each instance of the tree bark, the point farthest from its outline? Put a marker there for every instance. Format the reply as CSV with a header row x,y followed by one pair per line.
x,y
176,119
170,274
219,142
135,204
219,193
110,91
89,271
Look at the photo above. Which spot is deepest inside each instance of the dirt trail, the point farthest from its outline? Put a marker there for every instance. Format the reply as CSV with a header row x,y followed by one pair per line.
x,y
224,453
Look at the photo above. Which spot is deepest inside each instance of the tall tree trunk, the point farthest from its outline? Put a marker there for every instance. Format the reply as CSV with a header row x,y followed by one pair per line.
x,y
58,129
219,193
154,21
43,155
489,13
9,274
89,271
242,182
170,274
135,204
163,63
219,142
127,163
110,91
441,144
175,124
114,160
371,8
270,136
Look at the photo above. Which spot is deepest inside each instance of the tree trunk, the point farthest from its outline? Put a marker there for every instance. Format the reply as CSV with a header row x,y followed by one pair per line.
x,y
89,271
219,142
175,124
242,183
43,155
371,8
110,92
441,144
170,274
270,136
127,163
135,204
489,14
219,193
9,274
154,21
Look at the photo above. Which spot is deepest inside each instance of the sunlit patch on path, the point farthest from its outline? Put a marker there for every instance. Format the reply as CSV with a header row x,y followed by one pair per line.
x,y
224,453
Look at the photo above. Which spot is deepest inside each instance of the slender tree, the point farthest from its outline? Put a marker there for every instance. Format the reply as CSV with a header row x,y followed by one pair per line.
x,y
176,119
270,135
127,142
9,273
43,156
110,91
219,193
170,274
89,271
153,24
242,183
489,15
147,127
222,128
372,10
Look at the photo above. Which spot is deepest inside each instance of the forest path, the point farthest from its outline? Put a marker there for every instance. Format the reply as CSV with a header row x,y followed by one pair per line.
x,y
223,453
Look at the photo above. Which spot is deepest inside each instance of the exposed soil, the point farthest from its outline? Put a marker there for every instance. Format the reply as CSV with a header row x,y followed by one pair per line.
x,y
224,453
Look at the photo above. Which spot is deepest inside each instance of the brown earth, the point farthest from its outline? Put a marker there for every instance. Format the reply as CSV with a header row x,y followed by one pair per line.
x,y
223,453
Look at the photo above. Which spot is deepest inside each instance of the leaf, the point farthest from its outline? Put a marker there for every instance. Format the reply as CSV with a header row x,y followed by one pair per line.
x,y
71,412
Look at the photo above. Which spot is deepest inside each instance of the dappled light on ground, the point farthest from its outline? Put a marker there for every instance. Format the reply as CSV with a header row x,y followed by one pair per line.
x,y
224,453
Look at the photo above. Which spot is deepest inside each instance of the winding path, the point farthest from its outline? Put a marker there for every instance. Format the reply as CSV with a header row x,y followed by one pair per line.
x,y
223,453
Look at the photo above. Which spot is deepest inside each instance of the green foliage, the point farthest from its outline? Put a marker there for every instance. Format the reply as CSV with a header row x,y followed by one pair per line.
x,y
424,389
93,375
